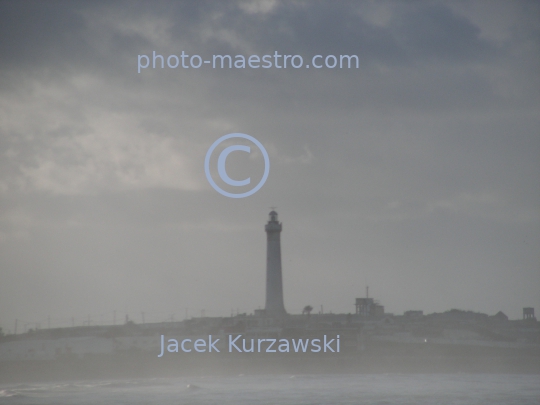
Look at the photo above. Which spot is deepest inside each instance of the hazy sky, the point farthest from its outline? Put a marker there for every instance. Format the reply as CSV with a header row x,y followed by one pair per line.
x,y
417,174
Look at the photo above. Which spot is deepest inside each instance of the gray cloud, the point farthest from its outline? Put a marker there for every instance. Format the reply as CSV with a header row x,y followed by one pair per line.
x,y
417,173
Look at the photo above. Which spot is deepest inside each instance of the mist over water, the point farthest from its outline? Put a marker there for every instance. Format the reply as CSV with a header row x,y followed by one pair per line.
x,y
389,389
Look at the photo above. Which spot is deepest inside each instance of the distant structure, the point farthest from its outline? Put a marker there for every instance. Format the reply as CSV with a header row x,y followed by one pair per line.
x,y
274,284
368,306
500,316
528,313
413,314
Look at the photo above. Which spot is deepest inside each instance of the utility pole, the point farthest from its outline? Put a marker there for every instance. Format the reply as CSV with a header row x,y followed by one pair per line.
x,y
16,320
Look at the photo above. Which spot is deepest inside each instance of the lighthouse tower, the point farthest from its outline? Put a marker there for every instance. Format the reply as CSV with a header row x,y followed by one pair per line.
x,y
274,284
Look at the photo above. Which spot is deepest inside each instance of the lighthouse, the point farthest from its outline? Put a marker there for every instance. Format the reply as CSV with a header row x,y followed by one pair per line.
x,y
274,283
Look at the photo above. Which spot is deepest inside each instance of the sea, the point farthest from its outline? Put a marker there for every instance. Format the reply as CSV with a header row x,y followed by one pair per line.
x,y
380,389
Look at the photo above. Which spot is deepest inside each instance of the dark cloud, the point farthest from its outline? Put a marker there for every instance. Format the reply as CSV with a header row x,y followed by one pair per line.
x,y
37,34
434,31
416,173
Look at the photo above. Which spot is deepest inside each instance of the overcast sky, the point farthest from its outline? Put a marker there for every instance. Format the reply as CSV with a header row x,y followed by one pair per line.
x,y
417,174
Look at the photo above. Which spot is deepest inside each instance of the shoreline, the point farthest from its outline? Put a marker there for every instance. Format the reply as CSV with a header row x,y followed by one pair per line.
x,y
378,357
